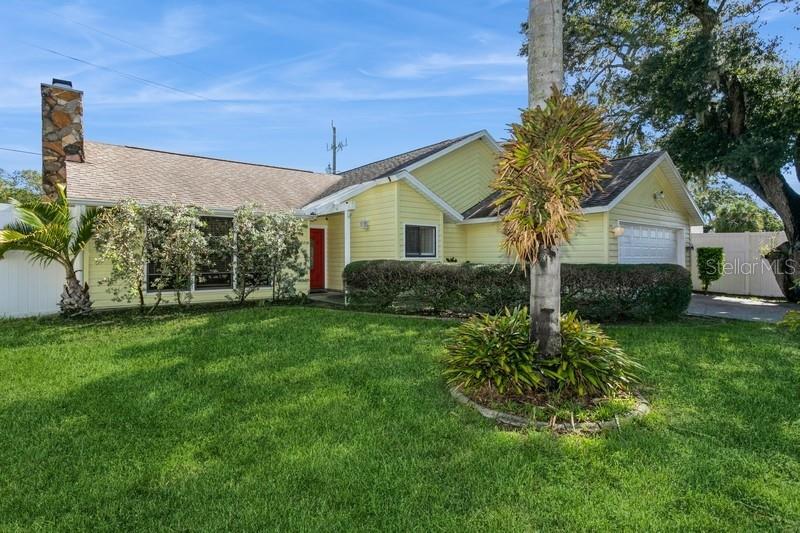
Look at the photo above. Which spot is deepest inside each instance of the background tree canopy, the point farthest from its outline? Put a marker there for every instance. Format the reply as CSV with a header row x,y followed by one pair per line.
x,y
696,78
23,185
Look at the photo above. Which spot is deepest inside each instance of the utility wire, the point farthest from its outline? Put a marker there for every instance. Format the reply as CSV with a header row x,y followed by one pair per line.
x,y
120,73
20,151
129,43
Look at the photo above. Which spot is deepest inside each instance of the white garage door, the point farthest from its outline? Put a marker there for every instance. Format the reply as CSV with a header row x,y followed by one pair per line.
x,y
648,244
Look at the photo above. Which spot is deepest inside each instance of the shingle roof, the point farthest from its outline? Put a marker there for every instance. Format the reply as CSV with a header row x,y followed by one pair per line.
x,y
112,173
623,172
388,166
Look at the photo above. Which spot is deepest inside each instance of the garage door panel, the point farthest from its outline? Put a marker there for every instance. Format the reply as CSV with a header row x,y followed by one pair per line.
x,y
642,244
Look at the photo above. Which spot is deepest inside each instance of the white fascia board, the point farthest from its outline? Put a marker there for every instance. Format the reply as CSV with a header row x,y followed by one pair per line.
x,y
430,195
483,134
482,220
329,202
87,202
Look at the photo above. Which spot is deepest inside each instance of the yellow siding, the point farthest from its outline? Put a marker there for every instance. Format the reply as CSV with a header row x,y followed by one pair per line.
x,y
413,208
483,243
462,177
587,246
375,206
454,240
94,272
639,207
588,243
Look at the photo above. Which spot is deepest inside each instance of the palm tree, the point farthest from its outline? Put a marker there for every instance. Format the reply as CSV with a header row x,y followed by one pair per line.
x,y
48,232
552,160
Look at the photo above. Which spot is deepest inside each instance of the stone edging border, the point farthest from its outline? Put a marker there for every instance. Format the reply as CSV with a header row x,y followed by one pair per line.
x,y
641,408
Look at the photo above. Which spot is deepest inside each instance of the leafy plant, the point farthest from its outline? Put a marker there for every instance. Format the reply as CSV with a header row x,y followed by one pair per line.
x,y
120,241
169,237
791,321
288,257
591,363
248,242
48,232
494,351
710,264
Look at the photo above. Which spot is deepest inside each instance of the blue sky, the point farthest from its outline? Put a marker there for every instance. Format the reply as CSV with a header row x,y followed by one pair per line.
x,y
393,75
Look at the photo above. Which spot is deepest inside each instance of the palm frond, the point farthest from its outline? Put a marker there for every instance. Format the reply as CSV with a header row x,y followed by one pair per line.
x,y
85,230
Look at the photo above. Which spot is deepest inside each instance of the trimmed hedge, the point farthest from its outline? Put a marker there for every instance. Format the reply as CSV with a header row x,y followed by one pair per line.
x,y
604,293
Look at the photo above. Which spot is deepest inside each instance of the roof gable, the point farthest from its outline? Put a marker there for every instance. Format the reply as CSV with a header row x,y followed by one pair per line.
x,y
623,173
388,166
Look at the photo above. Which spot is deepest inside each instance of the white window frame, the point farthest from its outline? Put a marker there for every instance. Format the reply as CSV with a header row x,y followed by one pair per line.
x,y
436,233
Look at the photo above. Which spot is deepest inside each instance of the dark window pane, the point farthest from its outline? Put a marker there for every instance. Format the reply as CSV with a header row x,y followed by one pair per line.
x,y
420,241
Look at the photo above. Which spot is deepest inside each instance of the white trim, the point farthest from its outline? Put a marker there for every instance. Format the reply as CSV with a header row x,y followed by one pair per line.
x,y
324,253
437,233
483,134
348,215
482,220
420,187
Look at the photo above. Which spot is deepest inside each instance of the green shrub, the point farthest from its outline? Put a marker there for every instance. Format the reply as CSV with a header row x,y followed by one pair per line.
x,y
791,321
591,363
493,351
710,262
603,293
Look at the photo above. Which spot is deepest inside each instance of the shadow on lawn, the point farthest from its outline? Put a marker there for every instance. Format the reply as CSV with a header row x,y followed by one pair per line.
x,y
299,418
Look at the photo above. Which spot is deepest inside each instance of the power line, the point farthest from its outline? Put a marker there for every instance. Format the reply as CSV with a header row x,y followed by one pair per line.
x,y
119,72
129,43
20,151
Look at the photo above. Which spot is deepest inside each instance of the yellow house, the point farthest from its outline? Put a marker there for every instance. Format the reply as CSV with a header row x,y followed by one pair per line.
x,y
435,204
430,204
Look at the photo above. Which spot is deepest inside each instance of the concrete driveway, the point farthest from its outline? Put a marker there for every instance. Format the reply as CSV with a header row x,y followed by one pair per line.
x,y
750,309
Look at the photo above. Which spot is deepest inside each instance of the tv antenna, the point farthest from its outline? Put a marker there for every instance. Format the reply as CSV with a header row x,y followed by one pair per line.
x,y
335,148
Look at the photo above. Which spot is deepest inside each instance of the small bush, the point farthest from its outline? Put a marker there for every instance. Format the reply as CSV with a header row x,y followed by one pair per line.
x,y
603,293
591,363
791,321
710,262
494,351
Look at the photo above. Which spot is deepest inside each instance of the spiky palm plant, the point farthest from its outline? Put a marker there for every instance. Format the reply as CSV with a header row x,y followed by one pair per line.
x,y
552,161
47,231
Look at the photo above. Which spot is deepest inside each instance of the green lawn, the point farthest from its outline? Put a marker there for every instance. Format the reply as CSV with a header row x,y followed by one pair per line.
x,y
298,419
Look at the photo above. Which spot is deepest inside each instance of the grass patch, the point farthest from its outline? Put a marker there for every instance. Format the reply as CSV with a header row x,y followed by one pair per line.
x,y
297,418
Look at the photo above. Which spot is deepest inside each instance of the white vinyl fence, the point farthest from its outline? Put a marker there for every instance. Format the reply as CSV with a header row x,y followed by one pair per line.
x,y
27,289
746,271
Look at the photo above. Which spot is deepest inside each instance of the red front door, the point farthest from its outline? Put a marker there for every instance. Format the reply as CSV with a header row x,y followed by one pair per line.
x,y
317,276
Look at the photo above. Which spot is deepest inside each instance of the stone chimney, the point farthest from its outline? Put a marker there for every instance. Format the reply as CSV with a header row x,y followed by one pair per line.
x,y
62,132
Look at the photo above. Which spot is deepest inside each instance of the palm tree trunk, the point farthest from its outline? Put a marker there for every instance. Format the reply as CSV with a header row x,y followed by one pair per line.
x,y
545,72
75,297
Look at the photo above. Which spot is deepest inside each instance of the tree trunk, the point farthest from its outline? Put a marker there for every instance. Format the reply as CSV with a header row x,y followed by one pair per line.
x,y
75,299
545,303
545,72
